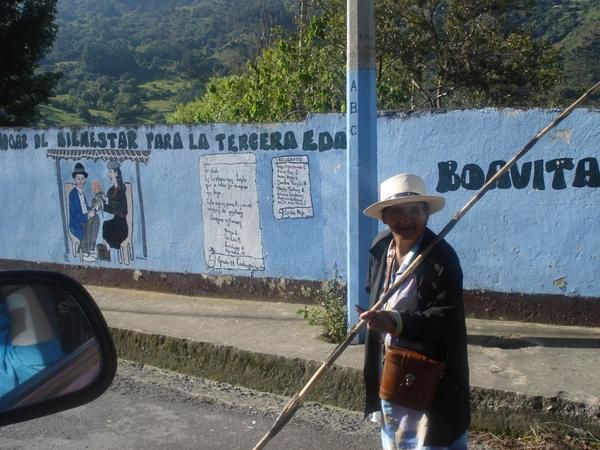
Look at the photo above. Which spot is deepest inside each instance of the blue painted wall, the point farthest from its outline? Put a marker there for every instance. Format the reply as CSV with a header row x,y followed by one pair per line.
x,y
534,233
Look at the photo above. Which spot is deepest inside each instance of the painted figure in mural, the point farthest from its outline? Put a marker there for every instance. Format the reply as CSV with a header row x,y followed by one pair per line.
x,y
425,315
114,231
83,220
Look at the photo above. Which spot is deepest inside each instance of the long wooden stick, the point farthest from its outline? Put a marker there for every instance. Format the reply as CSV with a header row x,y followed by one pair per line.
x,y
295,402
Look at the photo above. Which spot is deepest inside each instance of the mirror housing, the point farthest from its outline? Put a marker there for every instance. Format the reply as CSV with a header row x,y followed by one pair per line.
x,y
56,352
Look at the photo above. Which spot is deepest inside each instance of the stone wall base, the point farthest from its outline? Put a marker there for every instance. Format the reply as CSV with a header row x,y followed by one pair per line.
x,y
550,309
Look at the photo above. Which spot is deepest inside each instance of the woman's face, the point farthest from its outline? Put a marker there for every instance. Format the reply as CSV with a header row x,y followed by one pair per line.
x,y
407,221
112,175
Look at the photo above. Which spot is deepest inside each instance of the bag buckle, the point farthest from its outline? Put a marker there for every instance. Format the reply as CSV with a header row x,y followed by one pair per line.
x,y
409,379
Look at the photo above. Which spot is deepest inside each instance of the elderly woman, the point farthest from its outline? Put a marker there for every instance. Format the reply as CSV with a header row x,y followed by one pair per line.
x,y
425,316
115,230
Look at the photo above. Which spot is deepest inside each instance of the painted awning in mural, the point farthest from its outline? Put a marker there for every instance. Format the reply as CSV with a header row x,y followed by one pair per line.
x,y
100,154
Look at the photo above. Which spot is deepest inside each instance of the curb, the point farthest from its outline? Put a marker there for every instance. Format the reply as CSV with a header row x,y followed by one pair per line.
x,y
492,410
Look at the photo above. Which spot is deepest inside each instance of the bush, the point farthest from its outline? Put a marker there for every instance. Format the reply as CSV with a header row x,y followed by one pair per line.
x,y
330,313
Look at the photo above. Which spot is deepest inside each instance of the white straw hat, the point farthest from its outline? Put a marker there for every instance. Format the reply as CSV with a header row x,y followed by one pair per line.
x,y
400,189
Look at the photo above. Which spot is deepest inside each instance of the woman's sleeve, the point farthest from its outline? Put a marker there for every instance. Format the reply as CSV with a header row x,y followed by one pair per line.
x,y
116,205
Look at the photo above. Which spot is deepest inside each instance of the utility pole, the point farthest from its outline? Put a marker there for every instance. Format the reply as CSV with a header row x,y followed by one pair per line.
x,y
361,132
301,20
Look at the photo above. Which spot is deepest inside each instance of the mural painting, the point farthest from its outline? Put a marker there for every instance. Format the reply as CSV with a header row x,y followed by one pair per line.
x,y
291,187
268,200
230,211
98,217
83,218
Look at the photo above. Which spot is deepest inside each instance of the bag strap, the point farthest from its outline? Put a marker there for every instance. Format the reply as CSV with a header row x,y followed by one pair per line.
x,y
390,259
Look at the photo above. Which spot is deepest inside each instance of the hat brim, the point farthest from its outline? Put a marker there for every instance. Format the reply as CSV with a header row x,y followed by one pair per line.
x,y
435,204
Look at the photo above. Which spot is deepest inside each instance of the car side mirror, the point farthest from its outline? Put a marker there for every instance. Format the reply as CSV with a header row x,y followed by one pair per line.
x,y
56,352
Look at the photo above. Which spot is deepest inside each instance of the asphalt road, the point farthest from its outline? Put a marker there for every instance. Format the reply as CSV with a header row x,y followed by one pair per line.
x,y
148,408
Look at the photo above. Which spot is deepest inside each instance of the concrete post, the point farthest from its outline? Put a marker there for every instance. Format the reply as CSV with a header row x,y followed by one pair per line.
x,y
361,130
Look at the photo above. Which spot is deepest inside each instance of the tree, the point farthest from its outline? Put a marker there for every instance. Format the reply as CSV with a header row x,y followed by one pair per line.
x,y
296,76
27,31
286,82
113,58
430,54
463,53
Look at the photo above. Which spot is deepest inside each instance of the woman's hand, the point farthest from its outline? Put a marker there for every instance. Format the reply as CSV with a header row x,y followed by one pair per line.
x,y
381,321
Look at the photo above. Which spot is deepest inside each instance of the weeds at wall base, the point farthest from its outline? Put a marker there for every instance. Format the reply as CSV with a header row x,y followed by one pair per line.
x,y
330,313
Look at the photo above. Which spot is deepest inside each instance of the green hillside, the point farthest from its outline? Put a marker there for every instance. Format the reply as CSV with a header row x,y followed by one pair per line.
x,y
132,61
574,27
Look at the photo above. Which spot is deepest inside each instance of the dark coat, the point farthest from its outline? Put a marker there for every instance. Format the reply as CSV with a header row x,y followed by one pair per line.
x,y
433,324
115,230
77,218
